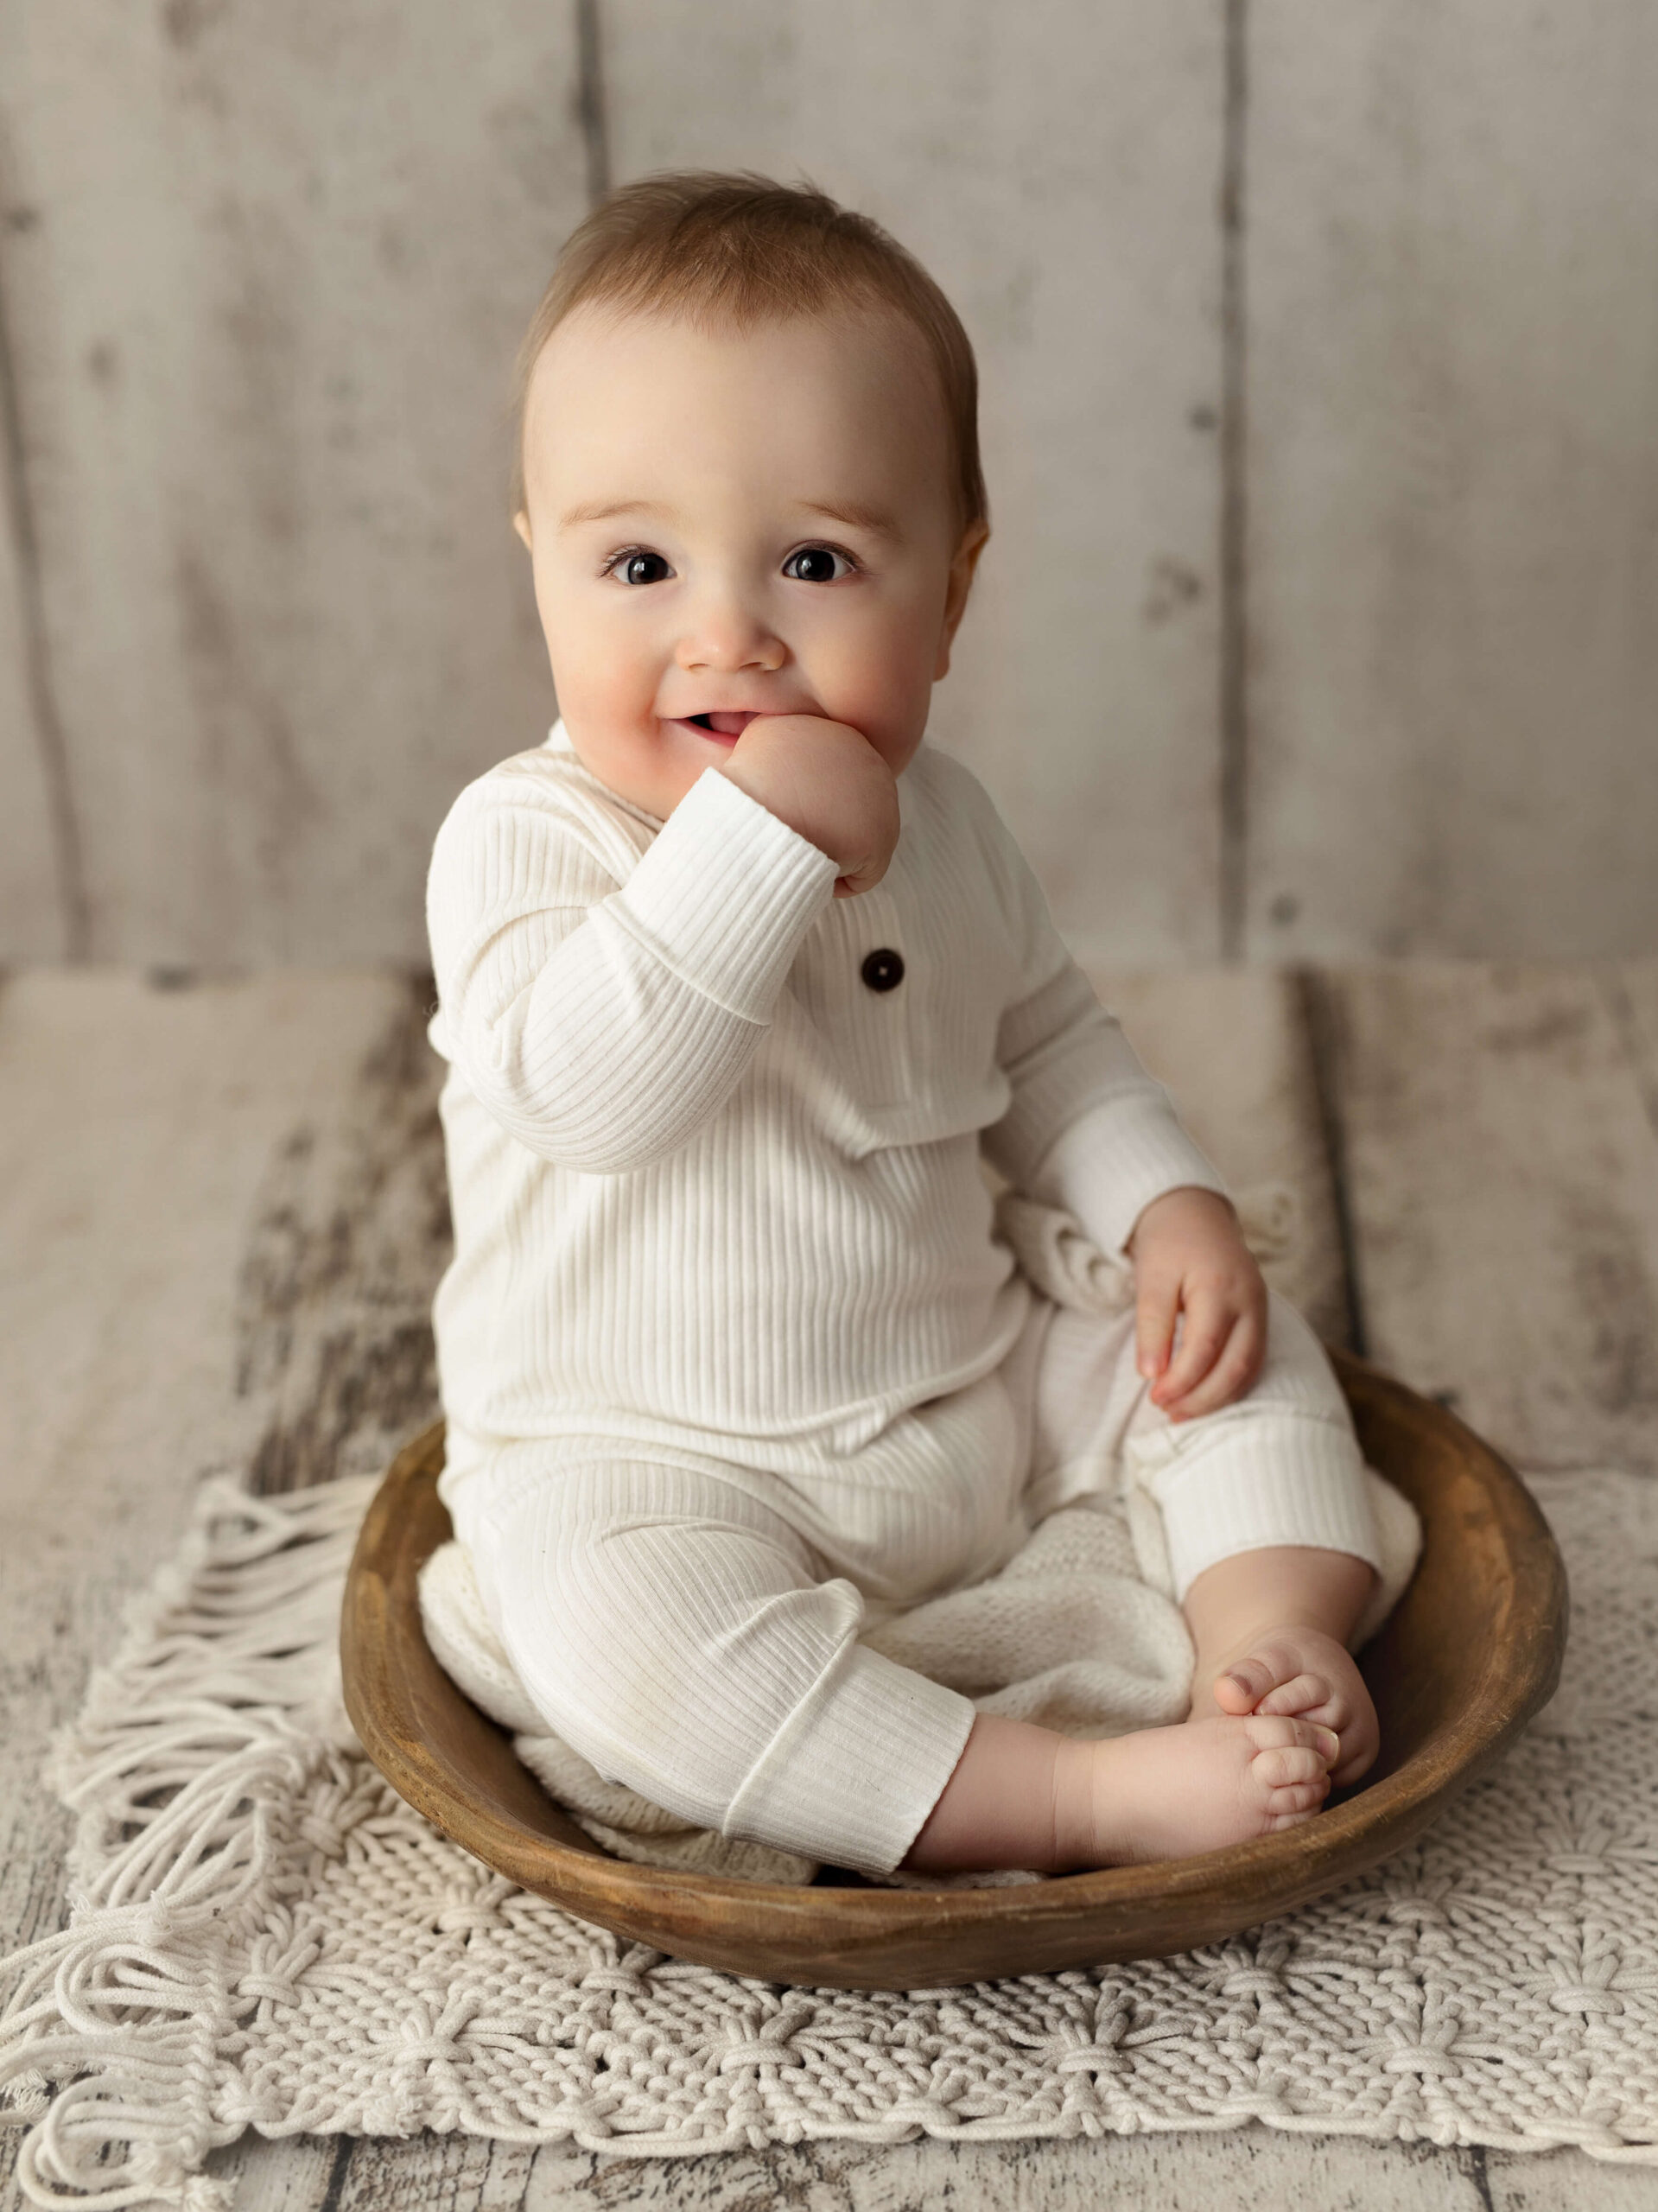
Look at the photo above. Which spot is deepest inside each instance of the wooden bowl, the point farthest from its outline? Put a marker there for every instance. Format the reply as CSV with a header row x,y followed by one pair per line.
x,y
1468,1655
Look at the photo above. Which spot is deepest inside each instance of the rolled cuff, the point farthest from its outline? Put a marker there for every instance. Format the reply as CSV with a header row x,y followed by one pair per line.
x,y
853,1774
1113,1160
724,895
1290,1478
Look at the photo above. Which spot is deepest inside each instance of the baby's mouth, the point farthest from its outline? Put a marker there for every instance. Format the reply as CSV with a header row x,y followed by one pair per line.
x,y
722,725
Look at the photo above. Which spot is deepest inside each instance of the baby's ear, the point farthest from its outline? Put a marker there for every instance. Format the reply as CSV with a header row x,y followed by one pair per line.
x,y
521,524
966,560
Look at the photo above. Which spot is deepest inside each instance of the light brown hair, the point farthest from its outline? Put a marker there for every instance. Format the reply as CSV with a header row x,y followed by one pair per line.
x,y
742,249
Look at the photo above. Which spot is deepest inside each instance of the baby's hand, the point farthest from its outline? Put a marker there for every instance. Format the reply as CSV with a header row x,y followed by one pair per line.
x,y
829,784
1190,1258
1299,1674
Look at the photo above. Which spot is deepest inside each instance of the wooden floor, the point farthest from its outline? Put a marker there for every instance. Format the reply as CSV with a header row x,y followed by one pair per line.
x,y
222,1210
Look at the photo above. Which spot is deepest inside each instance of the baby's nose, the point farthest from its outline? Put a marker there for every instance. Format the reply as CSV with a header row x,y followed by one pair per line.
x,y
729,634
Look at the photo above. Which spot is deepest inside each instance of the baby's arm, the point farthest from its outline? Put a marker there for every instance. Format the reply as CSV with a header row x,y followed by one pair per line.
x,y
603,1022
1089,1129
829,785
602,1008
1086,1127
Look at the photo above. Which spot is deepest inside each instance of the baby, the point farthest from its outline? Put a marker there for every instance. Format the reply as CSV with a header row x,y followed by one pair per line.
x,y
740,980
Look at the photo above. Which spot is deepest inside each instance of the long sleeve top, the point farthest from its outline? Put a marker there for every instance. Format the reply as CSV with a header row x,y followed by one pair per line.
x,y
714,1135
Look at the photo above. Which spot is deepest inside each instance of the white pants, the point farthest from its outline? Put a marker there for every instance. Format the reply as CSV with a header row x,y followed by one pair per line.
x,y
694,1628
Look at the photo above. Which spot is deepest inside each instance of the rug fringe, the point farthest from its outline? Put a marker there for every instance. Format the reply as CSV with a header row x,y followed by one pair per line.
x,y
209,1704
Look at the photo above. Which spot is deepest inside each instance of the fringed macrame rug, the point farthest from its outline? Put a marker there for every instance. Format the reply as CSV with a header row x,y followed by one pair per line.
x,y
263,1936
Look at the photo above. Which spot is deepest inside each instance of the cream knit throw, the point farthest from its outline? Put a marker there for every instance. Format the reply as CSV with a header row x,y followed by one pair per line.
x,y
262,1934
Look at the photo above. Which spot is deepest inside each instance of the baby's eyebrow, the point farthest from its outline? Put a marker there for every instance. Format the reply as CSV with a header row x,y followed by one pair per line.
x,y
855,516
608,509
850,512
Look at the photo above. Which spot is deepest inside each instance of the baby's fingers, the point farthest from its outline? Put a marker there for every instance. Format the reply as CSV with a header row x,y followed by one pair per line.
x,y
1207,1323
1156,1304
1226,1375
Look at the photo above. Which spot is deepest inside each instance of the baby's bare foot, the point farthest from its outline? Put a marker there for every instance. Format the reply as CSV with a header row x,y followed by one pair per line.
x,y
1301,1673
1167,1793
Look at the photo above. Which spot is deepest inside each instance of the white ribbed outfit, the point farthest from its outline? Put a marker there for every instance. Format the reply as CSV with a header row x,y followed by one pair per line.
x,y
733,1362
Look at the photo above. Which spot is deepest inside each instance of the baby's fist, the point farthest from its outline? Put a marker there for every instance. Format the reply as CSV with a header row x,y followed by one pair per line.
x,y
829,784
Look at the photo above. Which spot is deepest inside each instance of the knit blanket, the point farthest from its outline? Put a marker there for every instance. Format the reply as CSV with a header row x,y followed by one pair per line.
x,y
261,1935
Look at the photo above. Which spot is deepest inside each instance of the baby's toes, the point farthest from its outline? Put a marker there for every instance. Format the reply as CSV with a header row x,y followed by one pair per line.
x,y
1268,1669
1244,1683
1305,1694
1297,1801
1294,1766
1270,1732
1292,1780
1274,1821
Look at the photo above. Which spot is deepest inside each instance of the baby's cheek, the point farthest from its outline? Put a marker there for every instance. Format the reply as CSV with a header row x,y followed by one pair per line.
x,y
601,679
877,677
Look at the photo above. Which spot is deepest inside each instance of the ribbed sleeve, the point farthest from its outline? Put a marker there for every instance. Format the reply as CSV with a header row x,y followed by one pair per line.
x,y
602,1022
724,896
1086,1127
1241,1479
1120,1153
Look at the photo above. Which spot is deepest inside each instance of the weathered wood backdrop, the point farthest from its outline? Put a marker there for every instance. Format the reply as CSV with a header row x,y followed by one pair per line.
x,y
1320,349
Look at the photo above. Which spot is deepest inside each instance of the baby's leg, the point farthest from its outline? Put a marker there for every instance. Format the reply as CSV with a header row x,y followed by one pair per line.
x,y
1276,1546
679,1636
1267,1509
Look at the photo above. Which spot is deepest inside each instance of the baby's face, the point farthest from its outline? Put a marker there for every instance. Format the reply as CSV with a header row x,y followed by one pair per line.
x,y
728,523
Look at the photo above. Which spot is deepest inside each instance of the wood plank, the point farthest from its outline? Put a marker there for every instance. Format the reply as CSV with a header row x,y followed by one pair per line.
x,y
1565,2181
1631,991
1251,2169
33,911
1453,342
1086,681
149,1138
263,323
294,2173
1503,1187
342,1248
1500,1134
1232,1044
344,2173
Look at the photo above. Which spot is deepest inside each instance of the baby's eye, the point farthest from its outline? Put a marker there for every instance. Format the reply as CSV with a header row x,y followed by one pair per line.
x,y
634,567
815,564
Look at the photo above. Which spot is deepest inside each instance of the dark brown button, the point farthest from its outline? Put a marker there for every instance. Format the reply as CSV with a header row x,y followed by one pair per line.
x,y
883,970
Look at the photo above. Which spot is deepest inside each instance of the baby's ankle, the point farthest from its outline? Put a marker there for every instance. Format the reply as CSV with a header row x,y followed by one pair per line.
x,y
1075,1803
1100,1815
